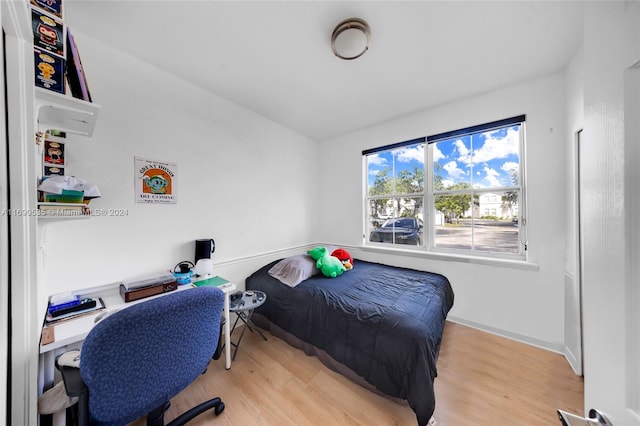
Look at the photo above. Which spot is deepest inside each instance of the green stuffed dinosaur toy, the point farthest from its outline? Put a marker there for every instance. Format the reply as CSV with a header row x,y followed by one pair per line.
x,y
330,266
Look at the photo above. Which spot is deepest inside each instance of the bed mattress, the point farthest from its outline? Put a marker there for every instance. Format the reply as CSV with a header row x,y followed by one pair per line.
x,y
385,323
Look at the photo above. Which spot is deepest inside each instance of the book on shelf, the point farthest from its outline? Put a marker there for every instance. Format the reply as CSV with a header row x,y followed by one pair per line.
x,y
63,209
65,196
75,72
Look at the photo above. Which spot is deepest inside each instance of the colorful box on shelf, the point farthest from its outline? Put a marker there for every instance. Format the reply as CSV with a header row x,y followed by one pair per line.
x,y
49,71
66,196
67,189
53,7
48,33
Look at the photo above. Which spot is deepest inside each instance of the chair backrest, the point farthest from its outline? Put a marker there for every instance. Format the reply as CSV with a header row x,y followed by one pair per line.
x,y
137,359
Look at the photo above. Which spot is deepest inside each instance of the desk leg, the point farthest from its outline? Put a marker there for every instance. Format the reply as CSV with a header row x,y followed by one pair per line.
x,y
227,332
47,377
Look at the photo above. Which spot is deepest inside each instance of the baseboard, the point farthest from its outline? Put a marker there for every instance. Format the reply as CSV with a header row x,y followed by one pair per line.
x,y
543,344
572,360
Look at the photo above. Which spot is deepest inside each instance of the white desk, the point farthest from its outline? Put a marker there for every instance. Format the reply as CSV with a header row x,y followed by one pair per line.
x,y
75,330
71,333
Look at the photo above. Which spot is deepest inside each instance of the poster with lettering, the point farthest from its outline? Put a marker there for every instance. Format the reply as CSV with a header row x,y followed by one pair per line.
x,y
155,181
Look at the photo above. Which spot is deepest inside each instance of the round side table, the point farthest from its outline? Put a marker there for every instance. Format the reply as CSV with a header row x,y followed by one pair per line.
x,y
243,308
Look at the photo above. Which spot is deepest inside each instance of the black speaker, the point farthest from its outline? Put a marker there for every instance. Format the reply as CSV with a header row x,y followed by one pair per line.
x,y
204,249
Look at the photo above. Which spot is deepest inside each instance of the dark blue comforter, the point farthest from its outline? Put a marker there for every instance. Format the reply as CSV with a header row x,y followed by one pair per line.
x,y
385,323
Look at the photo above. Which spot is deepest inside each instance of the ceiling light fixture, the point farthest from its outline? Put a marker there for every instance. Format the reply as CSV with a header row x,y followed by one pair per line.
x,y
350,38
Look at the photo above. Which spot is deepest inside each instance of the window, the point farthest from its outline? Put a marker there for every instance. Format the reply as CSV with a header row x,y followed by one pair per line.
x,y
467,199
396,191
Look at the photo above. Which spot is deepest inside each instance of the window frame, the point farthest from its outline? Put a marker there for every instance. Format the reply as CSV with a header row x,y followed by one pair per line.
x,y
429,194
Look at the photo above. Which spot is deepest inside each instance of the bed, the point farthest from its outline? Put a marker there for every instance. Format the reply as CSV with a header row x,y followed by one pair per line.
x,y
383,323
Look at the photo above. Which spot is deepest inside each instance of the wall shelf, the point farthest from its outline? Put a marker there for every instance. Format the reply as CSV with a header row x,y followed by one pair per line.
x,y
52,218
63,211
65,113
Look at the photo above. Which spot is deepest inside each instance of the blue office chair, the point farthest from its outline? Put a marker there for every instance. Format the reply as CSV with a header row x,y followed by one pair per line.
x,y
135,360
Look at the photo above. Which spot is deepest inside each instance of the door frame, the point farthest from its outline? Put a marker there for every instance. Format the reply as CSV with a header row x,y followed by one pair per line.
x,y
578,368
23,284
573,306
4,244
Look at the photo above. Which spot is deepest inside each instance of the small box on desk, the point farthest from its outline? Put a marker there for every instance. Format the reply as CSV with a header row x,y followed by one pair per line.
x,y
141,293
147,286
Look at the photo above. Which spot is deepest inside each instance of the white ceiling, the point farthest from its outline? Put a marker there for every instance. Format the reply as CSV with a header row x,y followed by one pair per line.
x,y
275,57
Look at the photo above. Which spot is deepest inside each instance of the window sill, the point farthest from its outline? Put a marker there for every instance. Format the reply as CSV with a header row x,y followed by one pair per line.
x,y
452,257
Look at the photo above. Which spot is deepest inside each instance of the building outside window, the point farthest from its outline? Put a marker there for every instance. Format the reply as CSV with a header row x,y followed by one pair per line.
x,y
459,191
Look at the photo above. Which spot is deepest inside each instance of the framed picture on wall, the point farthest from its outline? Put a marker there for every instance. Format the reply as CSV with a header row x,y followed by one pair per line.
x,y
155,181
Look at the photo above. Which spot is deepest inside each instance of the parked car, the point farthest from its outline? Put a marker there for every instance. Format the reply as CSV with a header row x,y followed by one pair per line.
x,y
402,230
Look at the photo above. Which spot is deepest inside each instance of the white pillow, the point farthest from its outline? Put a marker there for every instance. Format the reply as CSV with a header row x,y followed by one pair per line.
x,y
294,269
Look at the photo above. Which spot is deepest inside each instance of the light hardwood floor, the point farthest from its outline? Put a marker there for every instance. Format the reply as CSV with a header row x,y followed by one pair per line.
x,y
482,379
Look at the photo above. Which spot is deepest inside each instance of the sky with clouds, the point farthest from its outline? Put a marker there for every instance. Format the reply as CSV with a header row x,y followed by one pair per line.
x,y
483,160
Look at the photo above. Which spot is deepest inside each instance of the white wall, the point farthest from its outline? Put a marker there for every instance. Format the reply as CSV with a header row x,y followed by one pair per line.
x,y
521,303
611,46
149,113
242,179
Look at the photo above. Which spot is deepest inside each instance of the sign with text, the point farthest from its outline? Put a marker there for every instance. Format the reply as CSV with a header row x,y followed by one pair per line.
x,y
155,181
